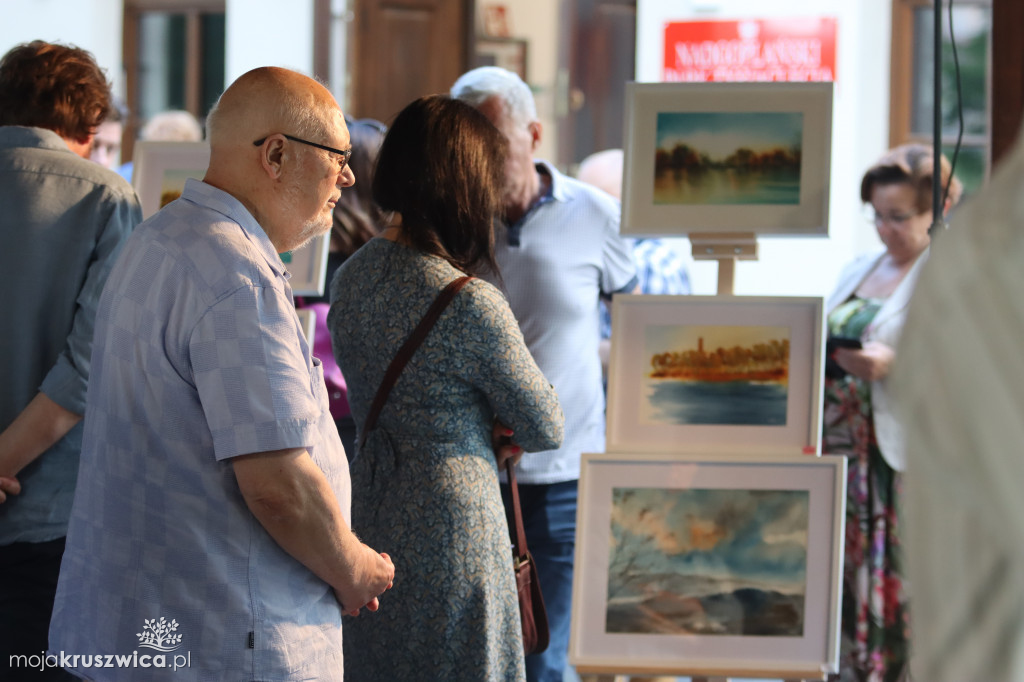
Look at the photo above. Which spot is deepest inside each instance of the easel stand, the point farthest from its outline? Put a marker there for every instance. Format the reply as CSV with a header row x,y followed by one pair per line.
x,y
726,248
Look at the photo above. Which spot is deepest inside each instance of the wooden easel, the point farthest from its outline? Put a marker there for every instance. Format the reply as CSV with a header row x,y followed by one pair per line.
x,y
726,248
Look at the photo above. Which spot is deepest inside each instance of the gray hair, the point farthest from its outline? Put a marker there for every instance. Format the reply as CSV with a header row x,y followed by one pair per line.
x,y
481,84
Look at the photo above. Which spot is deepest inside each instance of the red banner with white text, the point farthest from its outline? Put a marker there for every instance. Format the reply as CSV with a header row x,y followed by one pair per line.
x,y
802,49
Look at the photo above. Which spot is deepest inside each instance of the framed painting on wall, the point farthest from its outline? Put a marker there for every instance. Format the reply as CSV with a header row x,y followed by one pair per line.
x,y
715,373
508,53
161,169
727,157
708,566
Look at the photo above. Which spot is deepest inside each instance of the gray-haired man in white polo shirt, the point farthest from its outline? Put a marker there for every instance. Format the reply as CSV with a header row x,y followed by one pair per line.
x,y
561,251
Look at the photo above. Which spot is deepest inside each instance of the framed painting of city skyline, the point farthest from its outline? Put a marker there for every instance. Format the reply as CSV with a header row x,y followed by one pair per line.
x,y
727,157
715,373
729,565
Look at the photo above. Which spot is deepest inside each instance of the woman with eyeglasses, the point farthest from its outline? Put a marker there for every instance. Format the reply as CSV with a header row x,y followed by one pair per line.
x,y
865,317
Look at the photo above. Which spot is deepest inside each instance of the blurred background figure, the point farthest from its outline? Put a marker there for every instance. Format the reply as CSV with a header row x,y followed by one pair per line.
x,y
167,126
659,267
357,220
106,143
63,222
960,386
869,305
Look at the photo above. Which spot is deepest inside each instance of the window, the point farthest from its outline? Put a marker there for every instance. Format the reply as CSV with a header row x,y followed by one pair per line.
x,y
912,94
174,56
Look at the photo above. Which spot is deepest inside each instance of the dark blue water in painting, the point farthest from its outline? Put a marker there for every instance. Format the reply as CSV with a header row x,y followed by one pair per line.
x,y
718,402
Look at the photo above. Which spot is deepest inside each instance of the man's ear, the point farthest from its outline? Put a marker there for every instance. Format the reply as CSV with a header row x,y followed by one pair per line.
x,y
272,156
535,129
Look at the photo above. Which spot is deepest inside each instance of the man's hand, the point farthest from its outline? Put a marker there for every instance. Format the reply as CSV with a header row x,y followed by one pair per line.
x,y
374,575
8,486
287,493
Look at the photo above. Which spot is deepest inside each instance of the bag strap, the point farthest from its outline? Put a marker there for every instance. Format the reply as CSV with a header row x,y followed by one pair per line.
x,y
515,524
406,352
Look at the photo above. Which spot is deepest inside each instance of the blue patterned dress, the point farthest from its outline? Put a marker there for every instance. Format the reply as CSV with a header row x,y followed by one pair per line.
x,y
425,485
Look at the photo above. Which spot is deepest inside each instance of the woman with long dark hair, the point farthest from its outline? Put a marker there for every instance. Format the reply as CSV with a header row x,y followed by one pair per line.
x,y
425,478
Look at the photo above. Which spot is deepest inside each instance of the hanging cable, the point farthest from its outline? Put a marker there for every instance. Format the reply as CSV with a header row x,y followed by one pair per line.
x,y
959,109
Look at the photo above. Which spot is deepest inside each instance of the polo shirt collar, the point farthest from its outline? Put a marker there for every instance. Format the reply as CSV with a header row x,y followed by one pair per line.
x,y
208,196
555,192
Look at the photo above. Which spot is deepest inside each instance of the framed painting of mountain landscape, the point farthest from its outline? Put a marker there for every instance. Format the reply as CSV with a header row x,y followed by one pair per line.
x,y
727,157
715,373
708,566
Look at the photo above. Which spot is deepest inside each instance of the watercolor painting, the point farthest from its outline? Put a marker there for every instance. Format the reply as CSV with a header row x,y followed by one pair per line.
x,y
732,158
715,374
161,169
174,183
707,562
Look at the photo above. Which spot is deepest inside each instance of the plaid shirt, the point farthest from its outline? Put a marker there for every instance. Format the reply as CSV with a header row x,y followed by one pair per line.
x,y
660,270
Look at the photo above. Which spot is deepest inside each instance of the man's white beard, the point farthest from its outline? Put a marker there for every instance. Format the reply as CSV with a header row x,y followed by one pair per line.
x,y
312,229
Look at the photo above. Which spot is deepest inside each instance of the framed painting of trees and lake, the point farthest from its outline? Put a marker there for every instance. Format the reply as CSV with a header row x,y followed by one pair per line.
x,y
715,373
727,157
728,565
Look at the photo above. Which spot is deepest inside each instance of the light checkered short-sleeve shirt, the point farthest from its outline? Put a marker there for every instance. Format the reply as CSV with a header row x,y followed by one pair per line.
x,y
198,358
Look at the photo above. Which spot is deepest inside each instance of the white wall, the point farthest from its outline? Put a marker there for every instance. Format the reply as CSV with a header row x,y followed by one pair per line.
x,y
93,25
259,32
803,266
268,33
537,22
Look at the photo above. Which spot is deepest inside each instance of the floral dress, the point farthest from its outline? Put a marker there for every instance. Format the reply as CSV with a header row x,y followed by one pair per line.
x,y
425,484
874,643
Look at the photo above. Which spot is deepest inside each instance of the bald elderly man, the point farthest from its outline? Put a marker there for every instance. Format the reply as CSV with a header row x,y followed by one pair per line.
x,y
210,530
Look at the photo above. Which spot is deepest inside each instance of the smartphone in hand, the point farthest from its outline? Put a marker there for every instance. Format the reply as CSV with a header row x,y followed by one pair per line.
x,y
832,344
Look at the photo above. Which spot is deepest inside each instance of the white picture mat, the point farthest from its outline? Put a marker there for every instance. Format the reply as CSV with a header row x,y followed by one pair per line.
x,y
308,267
307,321
159,165
591,647
632,314
642,217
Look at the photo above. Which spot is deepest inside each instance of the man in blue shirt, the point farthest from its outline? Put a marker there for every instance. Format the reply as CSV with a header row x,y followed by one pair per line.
x,y
62,222
211,522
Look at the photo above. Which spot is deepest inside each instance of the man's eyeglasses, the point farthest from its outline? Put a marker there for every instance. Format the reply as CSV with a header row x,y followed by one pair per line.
x,y
345,154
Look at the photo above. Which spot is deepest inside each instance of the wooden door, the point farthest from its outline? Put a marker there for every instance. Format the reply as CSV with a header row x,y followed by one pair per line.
x,y
602,39
403,49
1007,108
